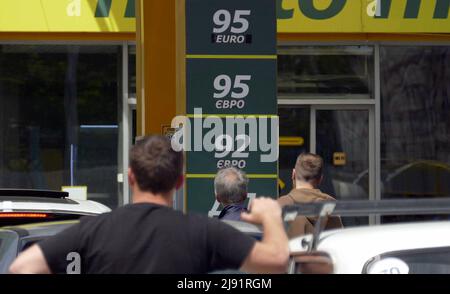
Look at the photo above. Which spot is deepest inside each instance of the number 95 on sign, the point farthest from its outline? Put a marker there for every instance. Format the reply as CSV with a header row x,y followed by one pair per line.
x,y
231,86
231,27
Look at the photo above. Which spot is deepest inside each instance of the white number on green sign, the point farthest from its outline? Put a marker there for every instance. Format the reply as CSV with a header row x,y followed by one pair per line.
x,y
222,20
225,144
223,83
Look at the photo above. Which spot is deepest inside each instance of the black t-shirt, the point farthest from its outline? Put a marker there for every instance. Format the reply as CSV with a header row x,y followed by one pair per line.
x,y
148,238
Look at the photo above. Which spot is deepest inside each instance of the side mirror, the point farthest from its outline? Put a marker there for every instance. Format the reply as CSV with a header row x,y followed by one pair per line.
x,y
315,262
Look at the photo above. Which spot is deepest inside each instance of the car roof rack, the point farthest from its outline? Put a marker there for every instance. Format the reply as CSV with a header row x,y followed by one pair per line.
x,y
342,208
352,208
33,193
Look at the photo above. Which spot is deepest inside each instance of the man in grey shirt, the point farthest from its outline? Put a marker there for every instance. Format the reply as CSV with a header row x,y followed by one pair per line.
x,y
230,186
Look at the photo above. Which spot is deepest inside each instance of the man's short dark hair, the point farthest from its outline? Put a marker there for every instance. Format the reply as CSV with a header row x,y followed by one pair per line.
x,y
230,185
155,165
308,167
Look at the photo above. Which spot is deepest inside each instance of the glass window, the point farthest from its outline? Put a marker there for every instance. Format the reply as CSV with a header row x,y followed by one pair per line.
x,y
8,250
422,261
132,70
132,89
343,142
344,133
325,72
59,108
415,123
294,140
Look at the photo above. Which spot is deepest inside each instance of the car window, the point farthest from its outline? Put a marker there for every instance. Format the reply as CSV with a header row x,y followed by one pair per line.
x,y
8,249
419,261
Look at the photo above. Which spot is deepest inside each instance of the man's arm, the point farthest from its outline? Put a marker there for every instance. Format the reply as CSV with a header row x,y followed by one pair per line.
x,y
271,255
31,261
50,255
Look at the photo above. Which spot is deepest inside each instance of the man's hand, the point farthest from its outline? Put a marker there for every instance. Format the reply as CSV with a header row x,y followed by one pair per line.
x,y
262,209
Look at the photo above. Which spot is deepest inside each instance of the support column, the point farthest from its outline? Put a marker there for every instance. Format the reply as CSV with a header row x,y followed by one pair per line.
x,y
160,75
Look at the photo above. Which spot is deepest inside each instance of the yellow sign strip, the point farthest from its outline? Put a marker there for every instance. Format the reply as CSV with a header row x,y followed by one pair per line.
x,y
191,56
60,16
291,141
320,16
250,176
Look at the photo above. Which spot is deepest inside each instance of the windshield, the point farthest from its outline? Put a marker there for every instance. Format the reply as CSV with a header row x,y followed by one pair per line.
x,y
8,249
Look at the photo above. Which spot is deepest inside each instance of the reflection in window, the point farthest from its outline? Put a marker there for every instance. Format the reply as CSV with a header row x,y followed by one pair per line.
x,y
294,140
423,261
59,118
415,125
325,72
132,70
345,132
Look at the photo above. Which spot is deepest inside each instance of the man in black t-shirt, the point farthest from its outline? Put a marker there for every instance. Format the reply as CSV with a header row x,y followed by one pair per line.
x,y
148,236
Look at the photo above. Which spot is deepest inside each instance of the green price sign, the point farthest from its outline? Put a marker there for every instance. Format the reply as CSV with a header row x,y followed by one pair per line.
x,y
231,27
231,86
231,98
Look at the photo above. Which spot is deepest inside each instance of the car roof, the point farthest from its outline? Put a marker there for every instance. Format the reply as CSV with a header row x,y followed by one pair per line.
x,y
40,229
51,205
351,248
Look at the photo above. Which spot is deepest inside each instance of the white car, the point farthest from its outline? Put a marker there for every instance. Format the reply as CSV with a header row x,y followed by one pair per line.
x,y
28,206
403,248
411,248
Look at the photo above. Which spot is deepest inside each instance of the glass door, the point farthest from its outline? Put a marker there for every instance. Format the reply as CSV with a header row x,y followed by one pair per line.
x,y
327,99
344,137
